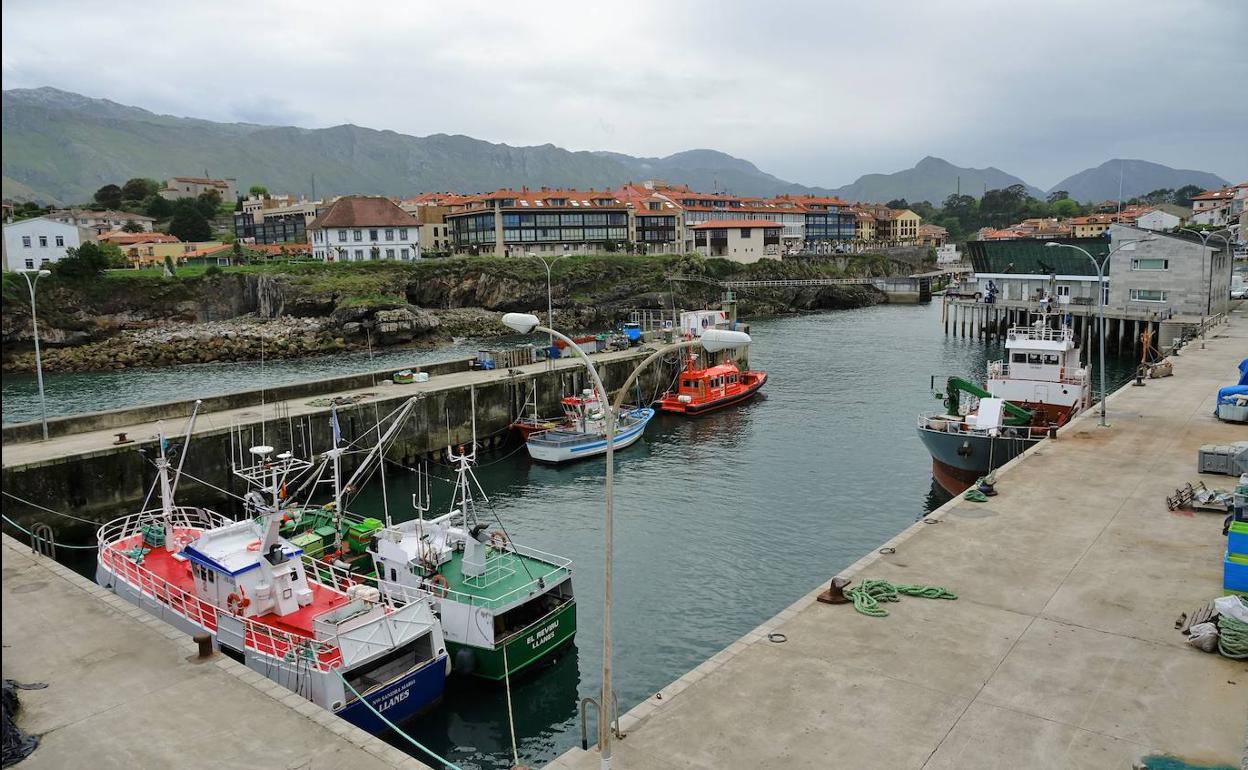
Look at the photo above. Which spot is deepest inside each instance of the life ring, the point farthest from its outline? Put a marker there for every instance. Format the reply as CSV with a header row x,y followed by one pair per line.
x,y
254,545
237,601
438,585
499,540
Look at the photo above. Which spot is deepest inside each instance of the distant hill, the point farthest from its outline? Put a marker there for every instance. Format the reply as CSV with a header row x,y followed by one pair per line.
x,y
932,180
1139,177
60,147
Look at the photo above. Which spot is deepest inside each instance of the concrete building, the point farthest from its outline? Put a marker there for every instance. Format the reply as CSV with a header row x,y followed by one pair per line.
x,y
1164,217
1091,226
430,210
828,225
656,222
515,222
179,187
740,240
102,221
30,244
274,219
932,236
1212,207
358,229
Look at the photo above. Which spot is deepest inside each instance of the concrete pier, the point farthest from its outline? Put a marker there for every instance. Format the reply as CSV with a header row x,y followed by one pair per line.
x,y
1060,651
121,692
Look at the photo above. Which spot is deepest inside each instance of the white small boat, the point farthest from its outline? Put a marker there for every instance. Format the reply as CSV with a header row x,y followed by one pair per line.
x,y
584,432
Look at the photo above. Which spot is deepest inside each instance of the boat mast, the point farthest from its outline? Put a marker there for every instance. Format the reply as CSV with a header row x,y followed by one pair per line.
x,y
166,490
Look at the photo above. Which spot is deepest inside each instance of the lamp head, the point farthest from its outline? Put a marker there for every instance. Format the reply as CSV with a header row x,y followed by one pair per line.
x,y
715,340
521,322
44,273
1051,244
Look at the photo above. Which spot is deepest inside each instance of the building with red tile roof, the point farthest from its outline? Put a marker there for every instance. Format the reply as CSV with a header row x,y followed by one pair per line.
x,y
740,240
358,228
547,220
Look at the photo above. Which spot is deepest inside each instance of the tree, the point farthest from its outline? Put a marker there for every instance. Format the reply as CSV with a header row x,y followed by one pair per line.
x,y
85,262
1183,196
1159,196
139,189
109,196
188,224
131,227
1064,207
157,207
898,203
1058,195
208,202
258,190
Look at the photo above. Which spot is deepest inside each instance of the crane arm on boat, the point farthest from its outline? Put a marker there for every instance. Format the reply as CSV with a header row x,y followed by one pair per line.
x,y
956,385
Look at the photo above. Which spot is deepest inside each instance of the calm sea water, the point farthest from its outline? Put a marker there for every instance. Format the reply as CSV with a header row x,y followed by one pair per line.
x,y
721,522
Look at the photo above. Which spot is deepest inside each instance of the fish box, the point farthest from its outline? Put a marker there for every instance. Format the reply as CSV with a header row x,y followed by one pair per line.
x,y
1215,458
1237,539
360,533
1235,573
310,542
325,533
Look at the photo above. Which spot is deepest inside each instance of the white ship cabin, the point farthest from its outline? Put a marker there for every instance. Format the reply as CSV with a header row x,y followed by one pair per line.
x,y
478,575
232,569
1041,370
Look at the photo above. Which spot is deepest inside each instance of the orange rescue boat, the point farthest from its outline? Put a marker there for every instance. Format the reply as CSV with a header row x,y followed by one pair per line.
x,y
702,390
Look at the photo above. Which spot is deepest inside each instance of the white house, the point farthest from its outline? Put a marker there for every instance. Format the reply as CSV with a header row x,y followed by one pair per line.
x,y
31,243
358,229
102,221
1158,219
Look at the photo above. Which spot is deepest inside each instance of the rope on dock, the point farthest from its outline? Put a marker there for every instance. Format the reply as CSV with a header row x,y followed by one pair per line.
x,y
1232,637
26,532
868,595
445,762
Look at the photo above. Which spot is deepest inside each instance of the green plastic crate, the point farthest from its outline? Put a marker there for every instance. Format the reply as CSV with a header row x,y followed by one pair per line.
x,y
325,533
310,542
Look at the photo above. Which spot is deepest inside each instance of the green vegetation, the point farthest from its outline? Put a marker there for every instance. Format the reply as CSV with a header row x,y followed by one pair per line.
x,y
88,261
189,223
109,196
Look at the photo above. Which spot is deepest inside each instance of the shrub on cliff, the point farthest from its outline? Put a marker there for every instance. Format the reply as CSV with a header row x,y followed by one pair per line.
x,y
87,261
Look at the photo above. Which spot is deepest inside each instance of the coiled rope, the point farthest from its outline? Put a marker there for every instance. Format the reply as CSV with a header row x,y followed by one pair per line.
x,y
868,595
1232,637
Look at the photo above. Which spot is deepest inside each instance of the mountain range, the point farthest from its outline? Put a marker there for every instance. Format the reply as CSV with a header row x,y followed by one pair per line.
x,y
59,147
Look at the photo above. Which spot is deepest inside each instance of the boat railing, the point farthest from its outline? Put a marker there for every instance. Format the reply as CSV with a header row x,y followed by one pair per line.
x,y
1042,333
181,517
942,422
554,565
285,647
1000,370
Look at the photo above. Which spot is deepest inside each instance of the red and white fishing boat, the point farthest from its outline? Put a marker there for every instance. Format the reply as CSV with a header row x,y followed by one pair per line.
x,y
701,390
308,626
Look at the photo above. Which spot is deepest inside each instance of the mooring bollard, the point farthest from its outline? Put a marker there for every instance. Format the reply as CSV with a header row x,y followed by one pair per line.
x,y
205,646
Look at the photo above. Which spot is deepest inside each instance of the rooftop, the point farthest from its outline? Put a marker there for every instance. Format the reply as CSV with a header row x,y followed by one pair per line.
x,y
744,224
360,211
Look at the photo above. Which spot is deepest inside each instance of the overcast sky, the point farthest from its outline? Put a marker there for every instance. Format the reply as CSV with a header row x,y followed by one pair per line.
x,y
815,92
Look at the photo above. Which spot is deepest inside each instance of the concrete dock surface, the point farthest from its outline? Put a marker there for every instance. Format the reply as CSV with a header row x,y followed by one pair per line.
x,y
1060,652
102,441
122,694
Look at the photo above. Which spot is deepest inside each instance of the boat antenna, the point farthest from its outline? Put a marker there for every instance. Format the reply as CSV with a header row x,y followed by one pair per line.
x,y
336,454
421,497
186,444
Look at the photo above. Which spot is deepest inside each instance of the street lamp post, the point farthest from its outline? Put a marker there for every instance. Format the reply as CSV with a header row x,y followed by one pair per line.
x,y
34,323
550,307
1100,304
712,340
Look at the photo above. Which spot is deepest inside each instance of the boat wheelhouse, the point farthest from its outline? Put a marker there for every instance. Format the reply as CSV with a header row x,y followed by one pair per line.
x,y
317,632
704,389
1038,387
583,432
505,608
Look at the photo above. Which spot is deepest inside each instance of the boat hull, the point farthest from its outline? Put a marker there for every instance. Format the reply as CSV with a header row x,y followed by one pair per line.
x,y
540,643
413,694
959,459
694,410
591,446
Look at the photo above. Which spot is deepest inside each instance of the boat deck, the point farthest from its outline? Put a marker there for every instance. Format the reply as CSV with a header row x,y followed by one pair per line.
x,y
508,578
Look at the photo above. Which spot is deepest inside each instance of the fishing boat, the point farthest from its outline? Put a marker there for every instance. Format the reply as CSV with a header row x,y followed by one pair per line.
x,y
505,608
1038,387
583,432
315,631
704,389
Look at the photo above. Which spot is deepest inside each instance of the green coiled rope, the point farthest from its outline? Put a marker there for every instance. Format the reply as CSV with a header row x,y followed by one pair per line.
x,y
1232,637
868,595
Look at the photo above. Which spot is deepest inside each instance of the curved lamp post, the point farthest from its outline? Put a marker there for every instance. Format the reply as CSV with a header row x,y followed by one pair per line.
x,y
1100,303
712,340
550,307
30,284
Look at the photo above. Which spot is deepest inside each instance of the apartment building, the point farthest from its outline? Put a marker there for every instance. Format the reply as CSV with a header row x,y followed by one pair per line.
x,y
515,222
430,210
740,240
30,244
102,221
359,229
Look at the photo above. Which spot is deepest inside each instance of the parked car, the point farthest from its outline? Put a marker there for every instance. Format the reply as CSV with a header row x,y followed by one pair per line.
x,y
1239,292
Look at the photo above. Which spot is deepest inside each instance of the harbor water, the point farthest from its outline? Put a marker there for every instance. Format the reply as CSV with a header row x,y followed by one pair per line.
x,y
721,521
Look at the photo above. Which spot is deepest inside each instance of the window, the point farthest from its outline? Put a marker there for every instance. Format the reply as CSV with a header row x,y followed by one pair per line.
x,y
745,232
1033,359
26,241
342,236
389,234
60,240
43,241
403,233
404,253
1050,359
1150,264
359,253
30,264
357,235
389,253
1148,295
1063,291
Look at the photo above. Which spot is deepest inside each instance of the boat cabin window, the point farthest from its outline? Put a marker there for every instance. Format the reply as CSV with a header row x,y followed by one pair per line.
x,y
689,383
394,575
1033,358
1020,358
732,378
1051,359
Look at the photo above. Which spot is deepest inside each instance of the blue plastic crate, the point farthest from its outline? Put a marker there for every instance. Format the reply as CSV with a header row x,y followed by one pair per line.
x,y
1235,573
1237,538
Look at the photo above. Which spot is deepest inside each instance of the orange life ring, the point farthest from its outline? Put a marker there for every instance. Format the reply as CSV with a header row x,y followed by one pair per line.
x,y
499,539
438,585
237,602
